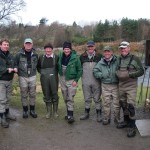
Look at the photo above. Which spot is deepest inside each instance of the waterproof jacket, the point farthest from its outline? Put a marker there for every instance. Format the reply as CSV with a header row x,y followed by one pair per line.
x,y
73,70
6,61
106,72
21,63
135,68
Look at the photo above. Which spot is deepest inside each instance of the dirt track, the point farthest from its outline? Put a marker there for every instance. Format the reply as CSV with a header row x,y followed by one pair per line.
x,y
43,134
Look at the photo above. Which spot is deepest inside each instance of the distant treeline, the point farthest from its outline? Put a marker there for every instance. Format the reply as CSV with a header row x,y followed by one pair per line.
x,y
56,33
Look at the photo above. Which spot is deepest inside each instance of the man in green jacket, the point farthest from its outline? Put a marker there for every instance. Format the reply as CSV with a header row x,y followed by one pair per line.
x,y
70,70
130,68
105,70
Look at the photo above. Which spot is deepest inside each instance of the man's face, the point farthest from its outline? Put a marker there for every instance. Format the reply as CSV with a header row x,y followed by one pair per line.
x,y
28,46
67,51
5,46
90,49
125,51
107,54
48,51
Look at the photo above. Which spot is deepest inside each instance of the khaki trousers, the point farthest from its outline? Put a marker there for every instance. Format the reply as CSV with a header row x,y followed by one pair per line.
x,y
5,95
68,92
28,89
110,95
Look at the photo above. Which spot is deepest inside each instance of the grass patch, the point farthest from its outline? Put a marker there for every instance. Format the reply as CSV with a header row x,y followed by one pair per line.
x,y
79,100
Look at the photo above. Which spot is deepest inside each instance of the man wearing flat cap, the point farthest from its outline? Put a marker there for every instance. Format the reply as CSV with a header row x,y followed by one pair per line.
x,y
26,65
105,70
70,70
47,67
130,68
90,85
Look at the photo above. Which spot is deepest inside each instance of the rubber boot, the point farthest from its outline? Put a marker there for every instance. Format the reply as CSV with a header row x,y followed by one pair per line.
x,y
123,124
49,110
25,112
132,129
4,122
70,117
32,111
9,116
55,108
98,112
86,114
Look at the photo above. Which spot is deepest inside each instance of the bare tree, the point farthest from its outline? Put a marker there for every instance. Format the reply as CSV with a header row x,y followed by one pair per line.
x,y
10,7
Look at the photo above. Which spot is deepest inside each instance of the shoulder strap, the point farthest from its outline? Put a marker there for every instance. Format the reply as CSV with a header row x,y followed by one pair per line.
x,y
128,66
42,60
130,62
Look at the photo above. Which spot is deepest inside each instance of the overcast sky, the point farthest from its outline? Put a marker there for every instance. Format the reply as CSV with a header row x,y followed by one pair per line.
x,y
82,11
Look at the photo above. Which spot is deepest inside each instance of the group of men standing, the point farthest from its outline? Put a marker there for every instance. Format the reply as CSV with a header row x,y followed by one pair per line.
x,y
115,78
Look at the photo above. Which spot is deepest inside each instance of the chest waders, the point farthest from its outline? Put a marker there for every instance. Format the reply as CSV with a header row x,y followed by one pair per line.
x,y
50,89
128,109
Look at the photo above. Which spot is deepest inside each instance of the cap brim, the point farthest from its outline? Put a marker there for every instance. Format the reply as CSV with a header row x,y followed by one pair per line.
x,y
90,45
122,46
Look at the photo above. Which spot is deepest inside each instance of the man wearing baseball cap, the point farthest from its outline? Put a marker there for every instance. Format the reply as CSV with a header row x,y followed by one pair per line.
x,y
91,86
26,66
105,70
130,68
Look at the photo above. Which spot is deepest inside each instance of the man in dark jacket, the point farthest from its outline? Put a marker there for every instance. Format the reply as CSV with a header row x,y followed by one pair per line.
x,y
130,68
26,65
90,85
6,77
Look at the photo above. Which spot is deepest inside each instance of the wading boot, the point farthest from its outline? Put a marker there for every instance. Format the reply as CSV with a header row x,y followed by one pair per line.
x,y
9,116
70,117
98,112
106,121
123,124
49,110
4,122
32,111
132,129
25,112
55,108
86,114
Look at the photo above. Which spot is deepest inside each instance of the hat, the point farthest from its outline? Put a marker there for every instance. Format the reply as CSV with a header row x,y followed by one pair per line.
x,y
48,45
124,44
90,43
107,48
28,40
67,45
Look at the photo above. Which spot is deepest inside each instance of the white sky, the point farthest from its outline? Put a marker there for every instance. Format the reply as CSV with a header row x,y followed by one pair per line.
x,y
82,11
